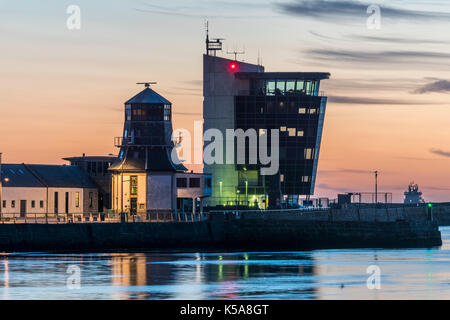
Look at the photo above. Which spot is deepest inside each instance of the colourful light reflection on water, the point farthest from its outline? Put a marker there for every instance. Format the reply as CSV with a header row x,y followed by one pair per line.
x,y
319,274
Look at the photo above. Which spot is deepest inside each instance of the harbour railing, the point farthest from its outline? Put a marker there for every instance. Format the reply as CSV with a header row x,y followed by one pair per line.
x,y
100,217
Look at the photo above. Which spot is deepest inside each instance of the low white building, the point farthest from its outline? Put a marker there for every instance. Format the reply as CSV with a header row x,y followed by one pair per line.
x,y
39,190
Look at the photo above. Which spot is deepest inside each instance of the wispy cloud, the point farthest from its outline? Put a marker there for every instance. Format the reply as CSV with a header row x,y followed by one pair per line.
x,y
350,171
442,86
401,56
344,9
210,9
440,152
373,101
394,39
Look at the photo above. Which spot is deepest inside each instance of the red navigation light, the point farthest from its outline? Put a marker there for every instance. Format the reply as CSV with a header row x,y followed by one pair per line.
x,y
233,66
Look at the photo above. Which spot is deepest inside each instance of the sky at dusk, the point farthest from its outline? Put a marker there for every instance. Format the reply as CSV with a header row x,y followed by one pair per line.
x,y
62,91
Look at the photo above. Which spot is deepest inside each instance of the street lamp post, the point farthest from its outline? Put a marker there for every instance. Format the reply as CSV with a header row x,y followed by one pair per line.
x,y
246,192
376,187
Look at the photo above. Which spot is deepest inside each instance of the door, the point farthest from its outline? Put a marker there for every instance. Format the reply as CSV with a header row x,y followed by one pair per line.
x,y
133,206
56,202
67,202
23,208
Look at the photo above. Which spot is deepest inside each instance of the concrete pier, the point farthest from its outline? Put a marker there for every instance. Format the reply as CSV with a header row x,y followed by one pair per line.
x,y
231,230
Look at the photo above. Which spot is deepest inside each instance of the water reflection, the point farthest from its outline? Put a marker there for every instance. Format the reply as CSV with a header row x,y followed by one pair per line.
x,y
205,275
319,274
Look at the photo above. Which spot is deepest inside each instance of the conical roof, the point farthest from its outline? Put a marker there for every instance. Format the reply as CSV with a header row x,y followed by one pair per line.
x,y
148,96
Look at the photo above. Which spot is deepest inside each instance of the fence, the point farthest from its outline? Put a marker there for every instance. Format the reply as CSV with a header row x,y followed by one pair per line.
x,y
125,217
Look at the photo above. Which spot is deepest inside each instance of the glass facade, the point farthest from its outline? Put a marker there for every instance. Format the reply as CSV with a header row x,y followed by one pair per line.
x,y
280,87
299,117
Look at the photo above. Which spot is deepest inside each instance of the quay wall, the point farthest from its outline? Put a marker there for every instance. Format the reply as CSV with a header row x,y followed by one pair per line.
x,y
245,231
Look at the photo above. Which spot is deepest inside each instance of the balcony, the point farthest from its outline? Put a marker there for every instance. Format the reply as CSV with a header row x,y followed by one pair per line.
x,y
120,142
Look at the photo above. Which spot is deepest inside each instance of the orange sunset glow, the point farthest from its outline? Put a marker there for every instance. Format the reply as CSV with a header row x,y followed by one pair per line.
x,y
62,91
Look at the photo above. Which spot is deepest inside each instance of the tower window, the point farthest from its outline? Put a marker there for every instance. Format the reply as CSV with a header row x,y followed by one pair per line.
x,y
133,185
77,199
194,183
181,182
128,112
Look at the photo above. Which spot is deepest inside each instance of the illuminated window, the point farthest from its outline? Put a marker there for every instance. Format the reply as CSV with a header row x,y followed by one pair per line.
x,y
290,86
77,199
281,86
167,112
292,132
305,179
283,129
262,131
282,177
302,110
312,111
300,133
308,87
270,88
309,153
133,185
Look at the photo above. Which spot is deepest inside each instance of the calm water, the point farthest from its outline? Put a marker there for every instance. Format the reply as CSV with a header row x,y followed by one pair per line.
x,y
320,274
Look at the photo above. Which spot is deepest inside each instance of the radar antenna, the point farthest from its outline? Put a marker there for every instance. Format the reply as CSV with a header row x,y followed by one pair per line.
x,y
236,52
213,45
146,84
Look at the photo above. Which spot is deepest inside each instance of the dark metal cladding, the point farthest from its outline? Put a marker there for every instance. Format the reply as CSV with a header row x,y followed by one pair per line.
x,y
283,75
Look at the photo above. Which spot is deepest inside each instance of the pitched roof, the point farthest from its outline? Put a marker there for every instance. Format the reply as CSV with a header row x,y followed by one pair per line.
x,y
148,96
17,175
156,159
54,176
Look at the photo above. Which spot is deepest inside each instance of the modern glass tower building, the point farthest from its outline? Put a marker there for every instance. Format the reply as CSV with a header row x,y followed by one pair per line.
x,y
239,95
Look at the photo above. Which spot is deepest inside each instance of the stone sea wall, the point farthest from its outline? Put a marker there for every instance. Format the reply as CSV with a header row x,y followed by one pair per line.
x,y
245,231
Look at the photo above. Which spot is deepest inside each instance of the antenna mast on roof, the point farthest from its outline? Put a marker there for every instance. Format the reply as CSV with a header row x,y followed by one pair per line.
x,y
235,52
146,84
213,45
